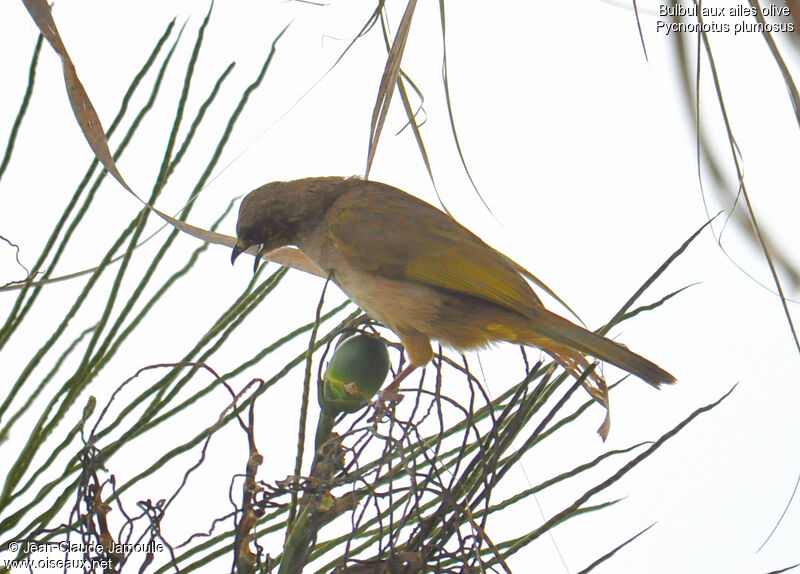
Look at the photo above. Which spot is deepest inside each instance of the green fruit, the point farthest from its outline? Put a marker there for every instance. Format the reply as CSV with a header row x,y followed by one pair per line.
x,y
355,374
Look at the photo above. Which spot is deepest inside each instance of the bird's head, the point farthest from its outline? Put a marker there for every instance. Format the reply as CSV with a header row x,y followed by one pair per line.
x,y
278,214
264,222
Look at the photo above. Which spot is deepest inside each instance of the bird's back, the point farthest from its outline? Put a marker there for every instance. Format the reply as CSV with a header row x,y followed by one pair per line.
x,y
376,229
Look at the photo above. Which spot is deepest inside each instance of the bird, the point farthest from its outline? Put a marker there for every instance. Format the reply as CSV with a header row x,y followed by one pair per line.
x,y
417,271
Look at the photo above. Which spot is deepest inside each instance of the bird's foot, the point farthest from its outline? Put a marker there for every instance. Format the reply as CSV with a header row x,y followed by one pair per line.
x,y
390,396
386,401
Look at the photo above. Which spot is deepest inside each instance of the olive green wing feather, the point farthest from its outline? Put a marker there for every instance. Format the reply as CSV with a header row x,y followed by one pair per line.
x,y
383,230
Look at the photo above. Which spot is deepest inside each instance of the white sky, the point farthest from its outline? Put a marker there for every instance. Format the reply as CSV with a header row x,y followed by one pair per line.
x,y
585,154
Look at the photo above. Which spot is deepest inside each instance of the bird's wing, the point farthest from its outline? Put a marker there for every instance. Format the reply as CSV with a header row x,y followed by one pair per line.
x,y
383,230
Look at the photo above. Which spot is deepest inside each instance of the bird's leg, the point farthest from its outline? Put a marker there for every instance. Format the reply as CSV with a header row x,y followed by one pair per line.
x,y
419,352
390,393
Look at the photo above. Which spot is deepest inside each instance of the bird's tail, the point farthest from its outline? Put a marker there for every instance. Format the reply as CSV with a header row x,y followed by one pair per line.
x,y
569,344
560,338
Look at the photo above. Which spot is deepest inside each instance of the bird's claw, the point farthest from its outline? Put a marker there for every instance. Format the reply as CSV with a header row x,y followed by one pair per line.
x,y
386,401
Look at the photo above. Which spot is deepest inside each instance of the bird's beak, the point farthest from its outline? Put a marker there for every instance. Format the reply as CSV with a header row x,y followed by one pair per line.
x,y
258,258
240,248
237,250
